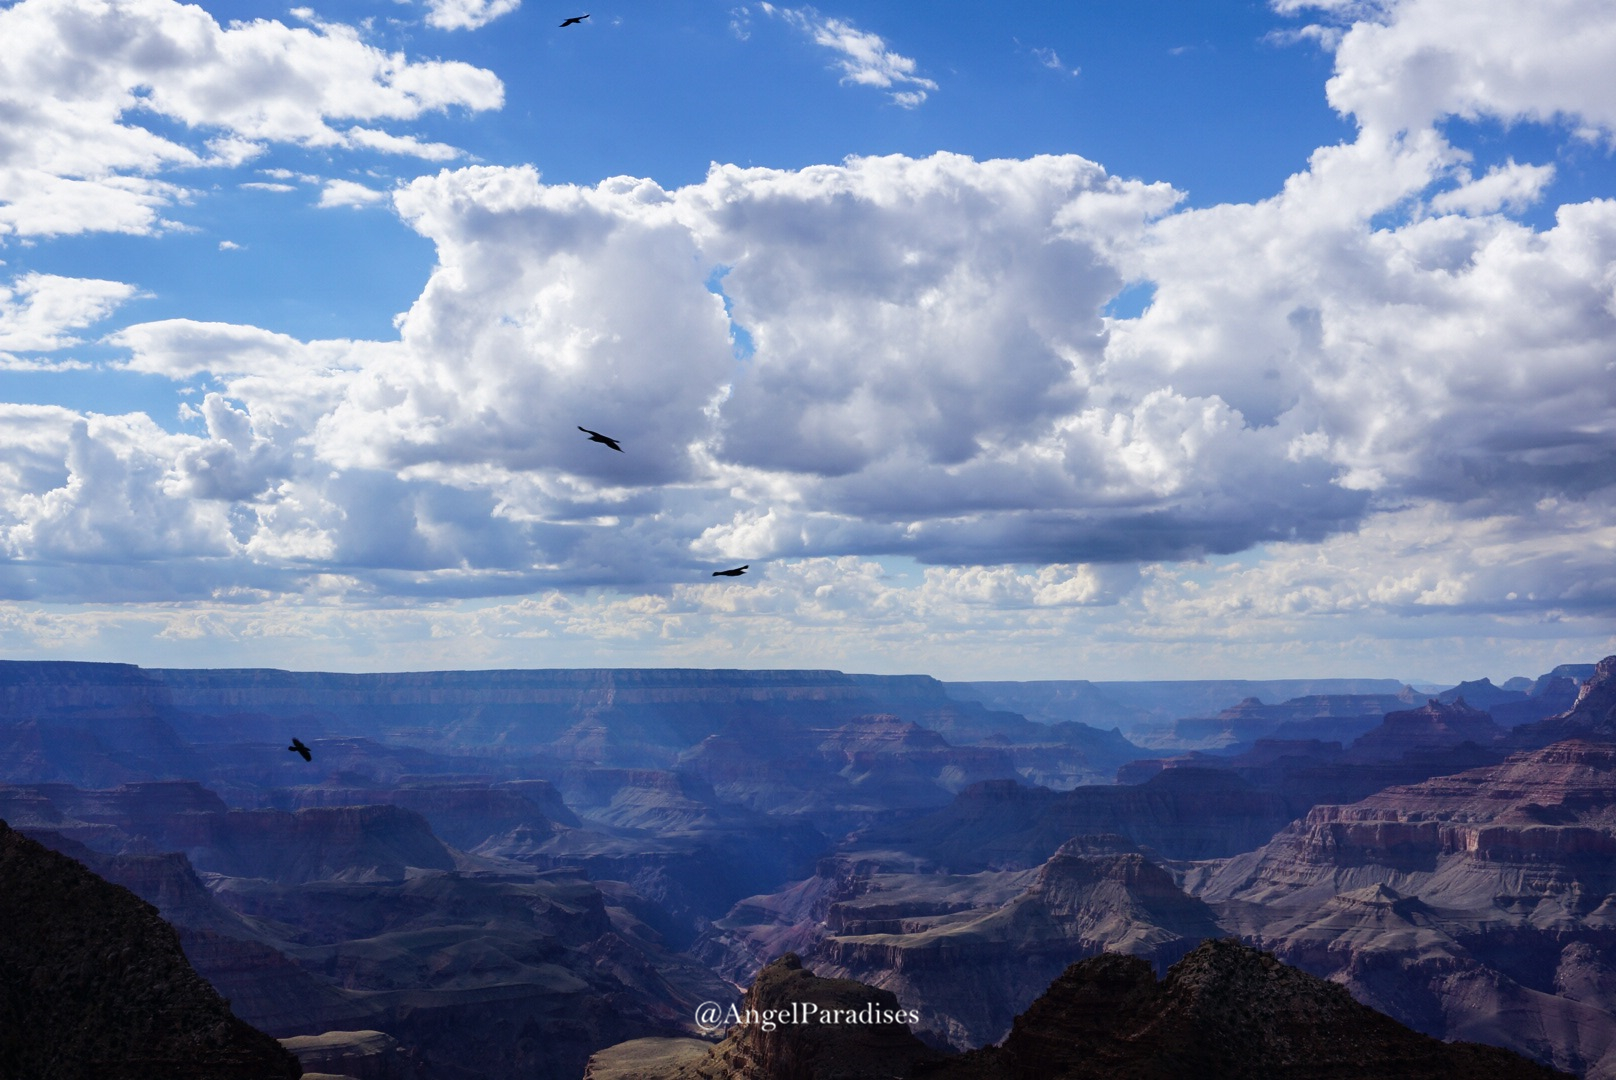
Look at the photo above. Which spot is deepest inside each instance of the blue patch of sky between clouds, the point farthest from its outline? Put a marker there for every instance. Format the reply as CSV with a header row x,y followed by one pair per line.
x,y
1583,170
1132,301
101,390
739,338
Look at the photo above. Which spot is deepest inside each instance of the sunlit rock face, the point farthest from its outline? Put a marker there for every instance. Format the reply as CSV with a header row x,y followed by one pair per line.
x,y
1591,716
1224,1011
968,970
1469,906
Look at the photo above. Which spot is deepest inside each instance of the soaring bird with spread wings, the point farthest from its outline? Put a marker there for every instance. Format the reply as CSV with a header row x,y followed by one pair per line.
x,y
595,436
298,747
574,20
737,572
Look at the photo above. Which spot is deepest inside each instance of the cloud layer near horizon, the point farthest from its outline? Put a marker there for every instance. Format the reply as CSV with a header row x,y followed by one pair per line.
x,y
893,357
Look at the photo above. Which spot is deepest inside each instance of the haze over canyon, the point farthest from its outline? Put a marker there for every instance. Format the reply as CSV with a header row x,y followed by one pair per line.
x,y
511,873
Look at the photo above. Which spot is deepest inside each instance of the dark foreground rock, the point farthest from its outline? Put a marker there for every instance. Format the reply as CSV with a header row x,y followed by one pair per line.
x,y
1224,1012
784,1035
93,984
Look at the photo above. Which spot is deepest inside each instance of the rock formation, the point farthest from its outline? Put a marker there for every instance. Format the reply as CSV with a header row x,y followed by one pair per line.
x,y
93,983
1591,716
1223,1012
1184,813
1436,725
793,1025
1468,906
967,972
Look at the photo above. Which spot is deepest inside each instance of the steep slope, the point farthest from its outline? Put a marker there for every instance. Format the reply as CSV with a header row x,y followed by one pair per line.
x,y
1224,1012
967,973
783,1033
1435,725
1592,716
93,983
87,724
1184,813
1471,906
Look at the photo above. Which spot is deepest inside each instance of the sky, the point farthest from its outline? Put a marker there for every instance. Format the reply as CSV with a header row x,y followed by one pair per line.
x,y
1167,339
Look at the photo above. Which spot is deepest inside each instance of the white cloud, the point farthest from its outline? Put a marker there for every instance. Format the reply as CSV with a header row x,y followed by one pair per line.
x,y
77,76
346,193
84,502
467,14
1403,64
229,245
38,310
863,57
1049,58
931,376
1371,398
1508,187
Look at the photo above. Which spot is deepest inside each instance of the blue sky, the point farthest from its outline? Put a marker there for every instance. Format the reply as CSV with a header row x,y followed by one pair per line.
x,y
1080,340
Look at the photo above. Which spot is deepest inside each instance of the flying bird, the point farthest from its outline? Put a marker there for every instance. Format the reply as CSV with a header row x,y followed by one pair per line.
x,y
574,19
737,572
298,747
595,436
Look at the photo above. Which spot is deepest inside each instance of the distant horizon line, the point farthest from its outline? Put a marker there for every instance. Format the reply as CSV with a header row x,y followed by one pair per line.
x,y
1418,684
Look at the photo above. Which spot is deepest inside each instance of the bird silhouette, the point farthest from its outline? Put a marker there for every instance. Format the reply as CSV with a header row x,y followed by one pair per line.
x,y
737,572
595,436
574,19
298,747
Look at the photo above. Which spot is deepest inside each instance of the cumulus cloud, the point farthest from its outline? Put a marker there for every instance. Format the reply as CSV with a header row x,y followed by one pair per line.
x,y
1403,64
467,14
38,310
1509,187
1372,396
347,193
862,57
77,76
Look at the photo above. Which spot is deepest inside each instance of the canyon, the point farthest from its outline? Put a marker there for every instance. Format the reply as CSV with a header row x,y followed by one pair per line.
x,y
501,874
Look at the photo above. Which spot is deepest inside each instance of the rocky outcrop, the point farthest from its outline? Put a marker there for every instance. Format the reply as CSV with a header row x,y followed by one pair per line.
x,y
93,983
794,1025
1183,813
462,815
1323,716
1465,906
1224,1012
645,1059
349,842
362,1055
92,725
1591,716
867,766
967,972
1436,725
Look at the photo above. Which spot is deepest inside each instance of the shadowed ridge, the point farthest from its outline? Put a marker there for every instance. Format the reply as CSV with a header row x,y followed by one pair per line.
x,y
1592,716
93,983
1224,1012
811,1050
